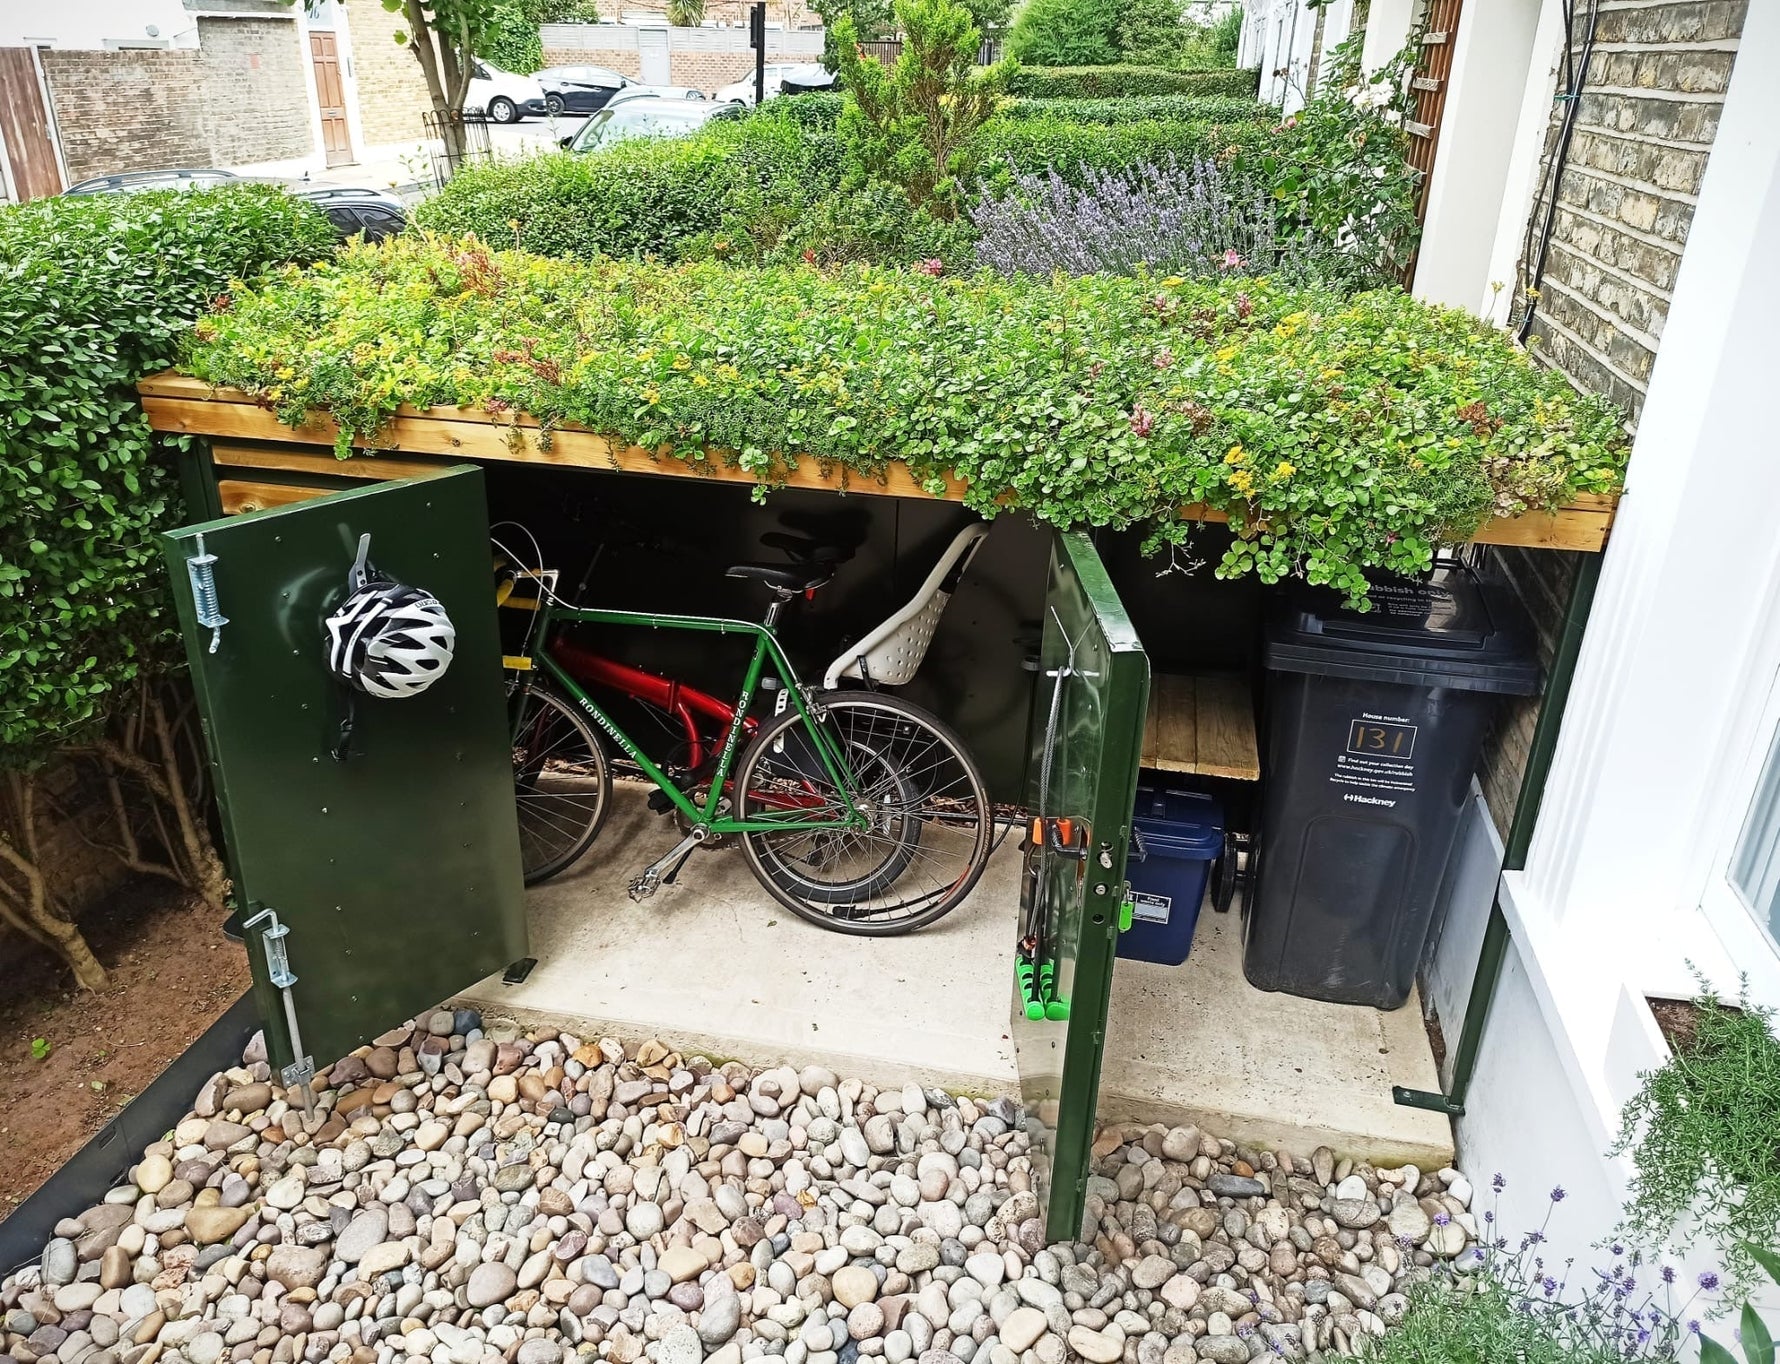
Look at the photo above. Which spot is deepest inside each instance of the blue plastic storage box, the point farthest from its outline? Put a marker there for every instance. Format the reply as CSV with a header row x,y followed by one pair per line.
x,y
1180,833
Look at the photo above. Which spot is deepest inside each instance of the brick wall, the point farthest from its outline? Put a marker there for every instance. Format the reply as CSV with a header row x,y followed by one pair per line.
x,y
1644,131
624,61
392,95
702,58
241,96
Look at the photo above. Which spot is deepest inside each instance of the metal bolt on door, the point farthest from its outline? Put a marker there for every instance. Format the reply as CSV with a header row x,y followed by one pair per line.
x,y
392,876
1087,735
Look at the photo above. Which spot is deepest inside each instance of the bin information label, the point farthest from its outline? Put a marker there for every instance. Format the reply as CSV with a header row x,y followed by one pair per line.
x,y
1378,764
1150,909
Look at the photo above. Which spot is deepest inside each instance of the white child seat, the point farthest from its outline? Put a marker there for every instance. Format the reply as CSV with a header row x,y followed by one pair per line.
x,y
892,653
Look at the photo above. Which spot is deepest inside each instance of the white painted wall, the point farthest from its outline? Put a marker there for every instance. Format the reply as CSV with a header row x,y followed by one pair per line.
x,y
1467,188
1387,28
96,23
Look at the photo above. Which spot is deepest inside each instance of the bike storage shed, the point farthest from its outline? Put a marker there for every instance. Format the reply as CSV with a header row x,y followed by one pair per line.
x,y
380,885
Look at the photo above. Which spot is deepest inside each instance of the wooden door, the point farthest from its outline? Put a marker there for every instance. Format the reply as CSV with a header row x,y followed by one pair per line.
x,y
653,58
330,94
27,133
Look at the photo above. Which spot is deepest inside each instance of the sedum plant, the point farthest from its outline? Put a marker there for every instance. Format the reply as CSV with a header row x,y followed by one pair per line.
x,y
1339,435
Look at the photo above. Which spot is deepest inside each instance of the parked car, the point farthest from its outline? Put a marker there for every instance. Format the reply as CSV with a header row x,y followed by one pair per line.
x,y
503,96
654,117
580,89
129,182
352,209
781,78
631,92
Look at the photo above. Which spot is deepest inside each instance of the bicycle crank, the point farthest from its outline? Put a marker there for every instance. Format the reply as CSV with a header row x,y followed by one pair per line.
x,y
666,867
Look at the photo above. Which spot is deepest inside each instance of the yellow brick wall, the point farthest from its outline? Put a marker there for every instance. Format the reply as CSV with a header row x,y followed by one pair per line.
x,y
392,93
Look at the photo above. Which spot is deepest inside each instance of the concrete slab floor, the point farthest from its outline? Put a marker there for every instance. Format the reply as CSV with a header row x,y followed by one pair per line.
x,y
712,964
1198,1043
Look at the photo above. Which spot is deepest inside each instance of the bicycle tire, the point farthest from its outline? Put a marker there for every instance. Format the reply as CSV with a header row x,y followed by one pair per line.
x,y
556,828
922,760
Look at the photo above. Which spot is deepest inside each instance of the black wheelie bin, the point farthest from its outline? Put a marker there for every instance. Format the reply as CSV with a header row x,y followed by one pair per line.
x,y
1373,723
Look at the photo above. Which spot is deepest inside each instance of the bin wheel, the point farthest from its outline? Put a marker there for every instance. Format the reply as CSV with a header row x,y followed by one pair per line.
x,y
1233,868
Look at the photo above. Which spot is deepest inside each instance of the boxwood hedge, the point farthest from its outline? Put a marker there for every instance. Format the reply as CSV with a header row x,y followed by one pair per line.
x,y
1124,82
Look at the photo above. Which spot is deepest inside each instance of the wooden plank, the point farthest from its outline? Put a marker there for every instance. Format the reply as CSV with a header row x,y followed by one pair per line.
x,y
176,403
1170,726
239,495
1225,714
1425,83
302,461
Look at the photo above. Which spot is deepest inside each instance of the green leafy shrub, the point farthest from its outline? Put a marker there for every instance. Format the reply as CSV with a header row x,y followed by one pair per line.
x,y
1008,146
512,42
1122,82
94,292
1065,33
1142,109
1704,1142
912,124
672,197
1339,435
1151,33
1341,170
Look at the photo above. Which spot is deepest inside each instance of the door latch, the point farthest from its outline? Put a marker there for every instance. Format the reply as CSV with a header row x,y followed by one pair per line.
x,y
300,1072
201,569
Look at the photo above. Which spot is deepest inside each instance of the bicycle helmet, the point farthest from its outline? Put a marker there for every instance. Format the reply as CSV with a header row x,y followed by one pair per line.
x,y
387,639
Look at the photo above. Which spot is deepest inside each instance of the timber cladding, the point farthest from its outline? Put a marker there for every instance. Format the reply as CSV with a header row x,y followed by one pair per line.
x,y
240,97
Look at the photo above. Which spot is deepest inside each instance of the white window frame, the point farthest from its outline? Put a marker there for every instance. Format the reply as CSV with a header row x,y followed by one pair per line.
x,y
1753,731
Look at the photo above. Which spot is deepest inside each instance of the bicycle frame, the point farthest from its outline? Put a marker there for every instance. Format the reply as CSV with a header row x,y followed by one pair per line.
x,y
766,648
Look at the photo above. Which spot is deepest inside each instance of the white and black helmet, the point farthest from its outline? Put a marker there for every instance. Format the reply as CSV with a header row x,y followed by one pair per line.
x,y
387,639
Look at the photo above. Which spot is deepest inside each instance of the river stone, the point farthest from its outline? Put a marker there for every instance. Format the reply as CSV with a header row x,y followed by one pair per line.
x,y
490,1282
719,1319
1354,1213
1022,1328
367,1229
1097,1348
680,1345
1236,1186
59,1262
391,1255
296,1266
681,1263
852,1285
154,1174
209,1225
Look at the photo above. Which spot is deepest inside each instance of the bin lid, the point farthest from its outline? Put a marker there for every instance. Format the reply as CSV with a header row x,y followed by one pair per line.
x,y
1453,628
1176,822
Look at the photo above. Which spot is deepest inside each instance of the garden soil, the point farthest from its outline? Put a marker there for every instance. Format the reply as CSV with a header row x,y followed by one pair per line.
x,y
173,974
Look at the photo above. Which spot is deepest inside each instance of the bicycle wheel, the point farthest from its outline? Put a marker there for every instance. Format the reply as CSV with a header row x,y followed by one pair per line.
x,y
562,784
931,822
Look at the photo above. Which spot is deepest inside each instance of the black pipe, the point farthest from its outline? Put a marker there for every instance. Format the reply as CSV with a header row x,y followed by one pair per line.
x,y
1520,837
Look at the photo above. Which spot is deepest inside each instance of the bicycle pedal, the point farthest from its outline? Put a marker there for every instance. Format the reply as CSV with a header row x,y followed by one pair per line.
x,y
660,801
642,887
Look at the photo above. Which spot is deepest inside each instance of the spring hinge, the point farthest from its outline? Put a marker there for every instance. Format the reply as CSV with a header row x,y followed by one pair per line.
x,y
201,568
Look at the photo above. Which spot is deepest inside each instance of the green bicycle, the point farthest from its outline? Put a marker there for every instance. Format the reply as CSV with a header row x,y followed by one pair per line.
x,y
857,810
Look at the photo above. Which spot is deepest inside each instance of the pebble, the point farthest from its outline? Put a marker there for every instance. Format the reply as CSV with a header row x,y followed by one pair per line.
x,y
471,1193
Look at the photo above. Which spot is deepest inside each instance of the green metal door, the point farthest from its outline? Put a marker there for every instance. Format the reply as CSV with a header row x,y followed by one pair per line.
x,y
394,870
1087,736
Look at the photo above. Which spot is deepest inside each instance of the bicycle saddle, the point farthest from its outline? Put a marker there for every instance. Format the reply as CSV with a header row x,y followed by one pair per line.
x,y
786,578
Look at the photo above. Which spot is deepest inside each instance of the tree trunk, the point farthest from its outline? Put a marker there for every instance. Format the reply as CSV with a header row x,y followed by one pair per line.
x,y
62,935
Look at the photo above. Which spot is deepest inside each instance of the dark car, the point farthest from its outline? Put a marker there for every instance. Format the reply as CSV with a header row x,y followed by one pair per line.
x,y
653,117
579,89
352,209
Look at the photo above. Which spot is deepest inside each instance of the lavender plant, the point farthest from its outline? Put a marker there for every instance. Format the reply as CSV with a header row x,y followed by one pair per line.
x,y
1503,1300
1173,217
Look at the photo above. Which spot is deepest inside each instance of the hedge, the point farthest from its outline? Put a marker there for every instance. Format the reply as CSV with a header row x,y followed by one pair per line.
x,y
1124,82
670,197
769,188
1144,109
1338,434
94,292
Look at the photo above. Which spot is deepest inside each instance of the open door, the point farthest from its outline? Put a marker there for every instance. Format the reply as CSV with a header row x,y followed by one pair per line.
x,y
1087,736
392,871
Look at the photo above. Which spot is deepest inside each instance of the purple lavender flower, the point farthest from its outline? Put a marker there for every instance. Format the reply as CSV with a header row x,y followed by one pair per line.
x,y
1441,1219
1708,1281
1498,1182
1668,1273
1558,1195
